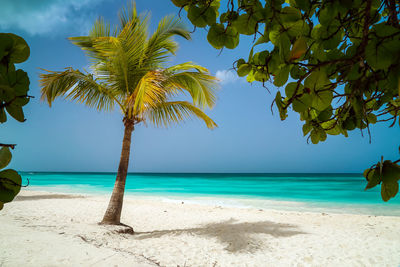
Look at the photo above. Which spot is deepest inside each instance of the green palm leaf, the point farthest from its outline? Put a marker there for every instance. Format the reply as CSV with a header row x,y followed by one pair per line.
x,y
166,113
199,84
75,85
128,69
160,45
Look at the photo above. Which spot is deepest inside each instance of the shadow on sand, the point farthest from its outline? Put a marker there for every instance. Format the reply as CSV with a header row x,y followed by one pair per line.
x,y
39,197
237,236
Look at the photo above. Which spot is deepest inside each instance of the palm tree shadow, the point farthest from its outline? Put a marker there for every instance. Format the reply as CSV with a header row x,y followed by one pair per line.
x,y
237,236
46,196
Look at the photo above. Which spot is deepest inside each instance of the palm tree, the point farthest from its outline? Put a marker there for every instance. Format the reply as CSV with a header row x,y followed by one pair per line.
x,y
129,70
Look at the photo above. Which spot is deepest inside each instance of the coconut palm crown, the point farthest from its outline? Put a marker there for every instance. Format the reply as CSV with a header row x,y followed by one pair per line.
x,y
129,70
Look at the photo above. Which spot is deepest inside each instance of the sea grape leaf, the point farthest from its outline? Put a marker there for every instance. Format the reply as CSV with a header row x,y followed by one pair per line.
x,y
216,36
322,135
302,103
306,128
303,4
180,3
322,99
3,116
282,76
250,77
219,37
290,89
5,157
354,72
284,46
331,127
197,16
389,190
298,28
244,70
373,177
262,39
296,72
316,79
6,44
298,49
325,114
371,118
260,58
327,14
274,36
390,172
16,112
279,104
314,136
10,185
245,24
383,30
21,101
21,85
231,38
261,76
379,55
240,62
18,52
290,14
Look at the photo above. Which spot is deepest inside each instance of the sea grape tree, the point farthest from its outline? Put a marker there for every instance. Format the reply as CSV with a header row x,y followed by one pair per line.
x,y
14,86
337,62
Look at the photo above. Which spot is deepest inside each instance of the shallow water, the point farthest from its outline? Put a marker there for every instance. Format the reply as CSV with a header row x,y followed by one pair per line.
x,y
317,191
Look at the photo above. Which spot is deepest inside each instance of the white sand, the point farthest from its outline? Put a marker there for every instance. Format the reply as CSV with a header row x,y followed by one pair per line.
x,y
42,229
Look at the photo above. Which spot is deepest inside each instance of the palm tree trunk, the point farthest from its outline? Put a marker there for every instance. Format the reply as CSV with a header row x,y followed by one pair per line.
x,y
113,212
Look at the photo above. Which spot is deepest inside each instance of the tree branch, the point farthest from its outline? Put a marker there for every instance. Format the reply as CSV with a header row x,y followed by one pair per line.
x,y
12,146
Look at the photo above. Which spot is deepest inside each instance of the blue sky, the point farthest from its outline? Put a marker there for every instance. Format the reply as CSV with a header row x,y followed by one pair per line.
x,y
72,137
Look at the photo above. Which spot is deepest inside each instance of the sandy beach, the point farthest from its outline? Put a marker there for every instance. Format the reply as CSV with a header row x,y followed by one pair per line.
x,y
54,229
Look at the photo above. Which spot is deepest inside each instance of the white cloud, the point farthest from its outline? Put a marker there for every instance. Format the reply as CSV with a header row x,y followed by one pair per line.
x,y
227,76
39,17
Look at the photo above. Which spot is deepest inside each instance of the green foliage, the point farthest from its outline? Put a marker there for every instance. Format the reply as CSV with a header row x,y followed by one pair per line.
x,y
129,70
339,61
5,157
10,185
387,174
14,86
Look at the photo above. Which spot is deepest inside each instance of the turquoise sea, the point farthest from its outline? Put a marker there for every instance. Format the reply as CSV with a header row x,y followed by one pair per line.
x,y
305,191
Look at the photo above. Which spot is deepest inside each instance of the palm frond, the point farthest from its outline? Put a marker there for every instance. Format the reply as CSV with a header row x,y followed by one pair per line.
x,y
148,93
125,52
160,44
75,85
115,68
128,69
100,29
165,113
128,14
199,84
187,66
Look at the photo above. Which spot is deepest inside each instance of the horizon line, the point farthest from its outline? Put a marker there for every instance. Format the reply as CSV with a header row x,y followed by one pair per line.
x,y
195,172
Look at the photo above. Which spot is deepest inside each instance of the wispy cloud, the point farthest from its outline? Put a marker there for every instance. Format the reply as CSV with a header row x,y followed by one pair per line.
x,y
40,17
227,76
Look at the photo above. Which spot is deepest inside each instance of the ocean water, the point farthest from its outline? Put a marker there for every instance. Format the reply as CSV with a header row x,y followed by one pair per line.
x,y
315,192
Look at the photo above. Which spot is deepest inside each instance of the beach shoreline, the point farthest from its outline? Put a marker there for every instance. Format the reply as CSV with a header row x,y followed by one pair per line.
x,y
61,229
240,201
